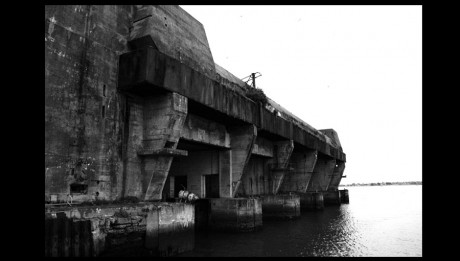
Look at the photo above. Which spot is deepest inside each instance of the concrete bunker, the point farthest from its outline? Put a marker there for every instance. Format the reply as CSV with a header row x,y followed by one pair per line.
x,y
147,115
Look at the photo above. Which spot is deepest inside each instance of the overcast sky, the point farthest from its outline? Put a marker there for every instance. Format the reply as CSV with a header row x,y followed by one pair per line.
x,y
355,69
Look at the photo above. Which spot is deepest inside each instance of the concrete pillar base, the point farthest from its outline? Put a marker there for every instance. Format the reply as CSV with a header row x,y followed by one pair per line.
x,y
332,198
311,201
344,196
201,214
235,214
143,229
282,206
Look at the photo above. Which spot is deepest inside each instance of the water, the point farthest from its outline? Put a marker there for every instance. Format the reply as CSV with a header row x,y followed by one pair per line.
x,y
379,221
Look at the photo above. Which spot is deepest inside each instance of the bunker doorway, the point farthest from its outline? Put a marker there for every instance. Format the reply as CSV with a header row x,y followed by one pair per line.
x,y
211,186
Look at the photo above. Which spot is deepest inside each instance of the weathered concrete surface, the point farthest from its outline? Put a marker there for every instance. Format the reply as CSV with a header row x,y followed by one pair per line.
x,y
202,210
158,71
82,107
235,214
336,176
263,147
120,85
311,201
199,129
164,116
225,174
175,33
332,197
322,174
119,230
344,196
175,232
161,123
332,134
303,164
282,206
279,166
255,180
242,139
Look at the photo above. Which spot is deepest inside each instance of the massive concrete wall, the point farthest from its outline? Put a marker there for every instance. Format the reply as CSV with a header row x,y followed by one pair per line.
x,y
83,110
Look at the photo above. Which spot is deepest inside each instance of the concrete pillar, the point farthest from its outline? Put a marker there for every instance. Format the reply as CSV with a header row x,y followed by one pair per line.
x,y
303,164
225,174
344,196
155,173
164,116
284,206
311,201
176,229
332,197
336,176
282,151
235,214
322,174
242,139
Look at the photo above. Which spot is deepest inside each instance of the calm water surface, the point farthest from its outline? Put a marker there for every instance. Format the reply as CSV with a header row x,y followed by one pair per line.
x,y
379,221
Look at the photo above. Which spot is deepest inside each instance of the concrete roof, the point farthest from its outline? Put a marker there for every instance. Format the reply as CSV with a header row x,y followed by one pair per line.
x,y
284,112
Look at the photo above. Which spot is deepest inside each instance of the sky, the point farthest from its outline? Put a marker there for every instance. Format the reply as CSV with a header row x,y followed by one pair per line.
x,y
355,69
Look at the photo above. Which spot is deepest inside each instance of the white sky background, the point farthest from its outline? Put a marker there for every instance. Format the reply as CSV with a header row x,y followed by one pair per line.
x,y
355,69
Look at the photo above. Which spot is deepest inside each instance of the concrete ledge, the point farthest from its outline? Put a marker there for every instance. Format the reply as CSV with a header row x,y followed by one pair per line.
x,y
311,201
332,198
284,206
147,70
144,229
163,152
235,214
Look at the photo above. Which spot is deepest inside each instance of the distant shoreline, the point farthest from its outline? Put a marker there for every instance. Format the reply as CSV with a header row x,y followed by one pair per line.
x,y
383,183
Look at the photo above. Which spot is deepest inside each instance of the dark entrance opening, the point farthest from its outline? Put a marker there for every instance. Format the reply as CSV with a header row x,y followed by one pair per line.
x,y
180,183
211,186
78,188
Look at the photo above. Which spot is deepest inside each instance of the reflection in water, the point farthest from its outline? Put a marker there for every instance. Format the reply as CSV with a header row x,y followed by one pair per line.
x,y
379,221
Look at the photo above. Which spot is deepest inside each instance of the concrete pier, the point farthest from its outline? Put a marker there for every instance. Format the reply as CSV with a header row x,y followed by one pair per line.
x,y
311,201
332,197
281,206
202,210
344,196
146,229
235,214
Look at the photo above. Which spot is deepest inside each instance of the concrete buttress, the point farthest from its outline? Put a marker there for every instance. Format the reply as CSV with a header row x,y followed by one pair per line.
x,y
225,170
242,139
164,116
336,176
282,153
324,169
333,196
303,164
